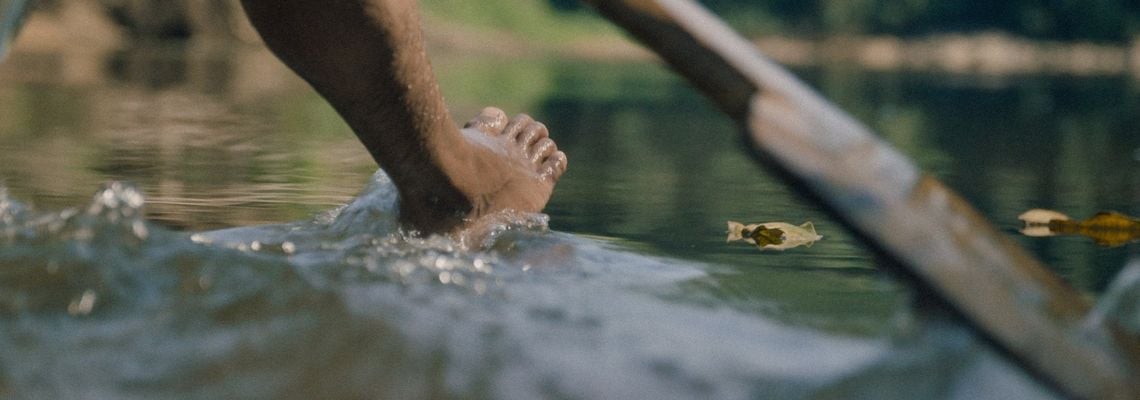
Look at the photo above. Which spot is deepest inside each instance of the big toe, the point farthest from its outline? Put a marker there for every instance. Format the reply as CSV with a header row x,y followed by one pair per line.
x,y
490,121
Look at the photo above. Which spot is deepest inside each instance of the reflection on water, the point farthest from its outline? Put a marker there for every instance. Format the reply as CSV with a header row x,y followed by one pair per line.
x,y
640,296
1007,144
1106,228
217,139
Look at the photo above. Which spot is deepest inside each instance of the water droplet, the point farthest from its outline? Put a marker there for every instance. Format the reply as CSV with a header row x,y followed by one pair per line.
x,y
107,197
84,234
404,268
480,266
458,279
83,305
139,229
372,264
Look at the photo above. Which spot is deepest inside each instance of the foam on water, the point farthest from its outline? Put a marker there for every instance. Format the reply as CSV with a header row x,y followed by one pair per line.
x,y
96,302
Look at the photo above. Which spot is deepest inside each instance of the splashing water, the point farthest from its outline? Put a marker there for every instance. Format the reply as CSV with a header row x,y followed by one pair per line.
x,y
95,302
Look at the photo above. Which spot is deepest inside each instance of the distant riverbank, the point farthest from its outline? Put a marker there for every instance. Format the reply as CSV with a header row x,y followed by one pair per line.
x,y
986,53
535,31
991,53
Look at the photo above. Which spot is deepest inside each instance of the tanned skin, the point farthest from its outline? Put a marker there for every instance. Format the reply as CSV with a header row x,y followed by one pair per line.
x,y
367,58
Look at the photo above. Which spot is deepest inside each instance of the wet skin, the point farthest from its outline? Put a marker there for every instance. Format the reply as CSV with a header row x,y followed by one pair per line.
x,y
367,58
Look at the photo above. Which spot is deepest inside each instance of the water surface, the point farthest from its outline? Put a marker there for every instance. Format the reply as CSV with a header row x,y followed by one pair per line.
x,y
172,284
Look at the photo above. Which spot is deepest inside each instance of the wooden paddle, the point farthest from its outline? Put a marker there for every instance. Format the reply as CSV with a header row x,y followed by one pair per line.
x,y
932,235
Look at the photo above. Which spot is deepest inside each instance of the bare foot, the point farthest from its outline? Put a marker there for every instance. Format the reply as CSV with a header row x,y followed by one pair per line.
x,y
492,165
520,164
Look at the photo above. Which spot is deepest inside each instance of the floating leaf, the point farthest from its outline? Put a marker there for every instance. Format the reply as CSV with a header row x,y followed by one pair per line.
x,y
773,235
1106,228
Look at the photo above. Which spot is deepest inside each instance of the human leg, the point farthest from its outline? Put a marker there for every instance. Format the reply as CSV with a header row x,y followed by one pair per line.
x,y
367,58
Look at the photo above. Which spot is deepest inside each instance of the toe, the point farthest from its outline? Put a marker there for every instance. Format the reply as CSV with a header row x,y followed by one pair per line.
x,y
542,150
554,166
517,125
491,121
532,133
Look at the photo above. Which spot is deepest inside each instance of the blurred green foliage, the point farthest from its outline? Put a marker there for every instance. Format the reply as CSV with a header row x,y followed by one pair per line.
x,y
1096,20
534,20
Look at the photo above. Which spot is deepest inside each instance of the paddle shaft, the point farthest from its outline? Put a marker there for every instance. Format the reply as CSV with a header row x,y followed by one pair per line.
x,y
927,230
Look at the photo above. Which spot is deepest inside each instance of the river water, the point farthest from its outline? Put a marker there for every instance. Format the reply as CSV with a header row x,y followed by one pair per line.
x,y
194,222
